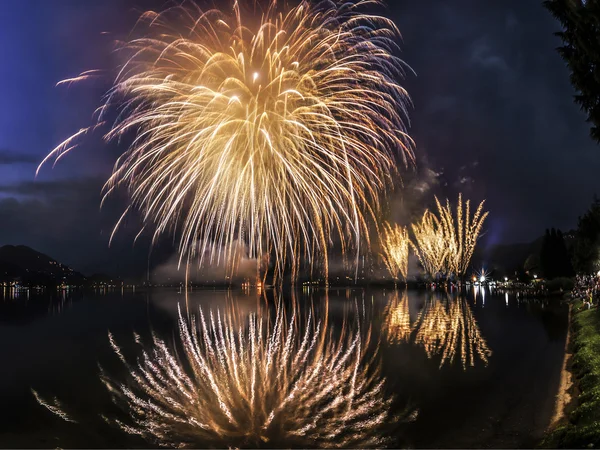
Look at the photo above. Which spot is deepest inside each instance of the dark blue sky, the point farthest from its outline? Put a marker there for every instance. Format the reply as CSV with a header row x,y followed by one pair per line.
x,y
493,116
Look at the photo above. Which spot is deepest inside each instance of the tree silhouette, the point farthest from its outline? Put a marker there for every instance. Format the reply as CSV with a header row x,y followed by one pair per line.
x,y
554,257
580,20
587,240
545,255
565,267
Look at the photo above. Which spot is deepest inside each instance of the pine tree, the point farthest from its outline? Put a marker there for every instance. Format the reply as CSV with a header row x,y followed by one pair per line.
x,y
580,20
586,252
546,255
565,268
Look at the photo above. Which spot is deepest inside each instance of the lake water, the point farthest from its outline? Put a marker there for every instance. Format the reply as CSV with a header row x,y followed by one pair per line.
x,y
477,369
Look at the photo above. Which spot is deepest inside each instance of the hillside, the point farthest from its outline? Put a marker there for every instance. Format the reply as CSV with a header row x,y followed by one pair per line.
x,y
24,264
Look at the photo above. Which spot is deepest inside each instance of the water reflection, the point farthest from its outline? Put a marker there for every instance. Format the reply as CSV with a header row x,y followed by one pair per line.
x,y
22,305
276,374
397,318
445,328
58,356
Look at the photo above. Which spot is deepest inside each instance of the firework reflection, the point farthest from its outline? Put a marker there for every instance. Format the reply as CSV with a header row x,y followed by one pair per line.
x,y
397,318
271,378
445,328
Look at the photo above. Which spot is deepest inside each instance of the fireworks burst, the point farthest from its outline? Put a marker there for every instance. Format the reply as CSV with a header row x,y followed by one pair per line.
x,y
445,243
461,233
283,130
284,381
395,244
430,244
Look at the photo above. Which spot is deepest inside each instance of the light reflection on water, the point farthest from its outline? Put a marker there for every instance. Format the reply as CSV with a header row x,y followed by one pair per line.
x,y
427,340
445,327
285,378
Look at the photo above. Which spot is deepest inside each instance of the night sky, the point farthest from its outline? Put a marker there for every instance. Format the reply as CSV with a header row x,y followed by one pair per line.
x,y
493,117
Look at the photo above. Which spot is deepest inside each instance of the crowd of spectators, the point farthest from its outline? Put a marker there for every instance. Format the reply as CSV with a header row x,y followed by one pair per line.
x,y
587,289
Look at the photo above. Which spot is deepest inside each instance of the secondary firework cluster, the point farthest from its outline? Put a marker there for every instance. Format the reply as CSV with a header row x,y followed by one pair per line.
x,y
445,328
443,240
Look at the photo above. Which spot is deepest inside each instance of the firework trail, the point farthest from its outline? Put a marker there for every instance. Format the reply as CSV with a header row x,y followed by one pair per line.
x,y
281,128
395,245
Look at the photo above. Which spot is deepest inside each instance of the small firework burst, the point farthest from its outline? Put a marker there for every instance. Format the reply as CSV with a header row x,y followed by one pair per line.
x,y
445,242
395,245
430,244
461,230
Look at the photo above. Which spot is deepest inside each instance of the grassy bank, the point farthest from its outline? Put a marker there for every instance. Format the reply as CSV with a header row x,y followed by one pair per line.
x,y
583,427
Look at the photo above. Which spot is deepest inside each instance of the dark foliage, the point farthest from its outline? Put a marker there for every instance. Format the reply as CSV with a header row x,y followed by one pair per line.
x,y
554,257
580,20
582,430
587,240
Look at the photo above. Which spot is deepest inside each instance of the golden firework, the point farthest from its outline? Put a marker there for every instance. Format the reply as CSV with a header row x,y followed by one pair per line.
x,y
286,382
461,233
430,244
445,242
281,128
395,245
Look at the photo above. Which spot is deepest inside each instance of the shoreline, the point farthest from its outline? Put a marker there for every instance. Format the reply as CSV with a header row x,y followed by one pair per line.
x,y
564,397
577,423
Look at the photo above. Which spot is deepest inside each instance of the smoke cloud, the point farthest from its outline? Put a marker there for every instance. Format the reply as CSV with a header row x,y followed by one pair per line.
x,y
236,269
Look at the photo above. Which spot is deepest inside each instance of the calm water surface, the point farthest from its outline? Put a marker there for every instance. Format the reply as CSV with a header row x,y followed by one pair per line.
x,y
480,369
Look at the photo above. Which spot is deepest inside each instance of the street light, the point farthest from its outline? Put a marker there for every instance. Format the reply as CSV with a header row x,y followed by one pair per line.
x,y
535,276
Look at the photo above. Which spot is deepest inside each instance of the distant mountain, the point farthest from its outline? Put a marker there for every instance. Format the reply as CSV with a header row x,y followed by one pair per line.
x,y
24,264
